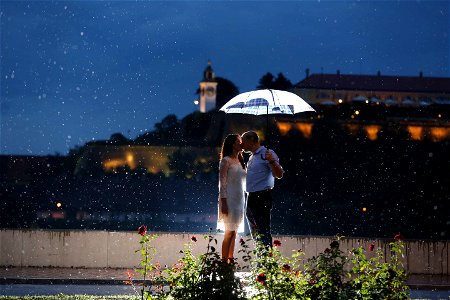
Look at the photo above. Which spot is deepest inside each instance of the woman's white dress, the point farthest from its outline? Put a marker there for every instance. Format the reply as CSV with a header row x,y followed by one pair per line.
x,y
231,186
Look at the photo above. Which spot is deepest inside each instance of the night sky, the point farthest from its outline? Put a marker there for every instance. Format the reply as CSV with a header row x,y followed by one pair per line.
x,y
76,71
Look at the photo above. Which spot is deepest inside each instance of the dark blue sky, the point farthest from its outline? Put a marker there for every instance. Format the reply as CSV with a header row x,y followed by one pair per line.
x,y
75,71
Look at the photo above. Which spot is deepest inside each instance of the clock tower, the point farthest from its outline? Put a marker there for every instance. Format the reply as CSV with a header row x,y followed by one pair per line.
x,y
208,90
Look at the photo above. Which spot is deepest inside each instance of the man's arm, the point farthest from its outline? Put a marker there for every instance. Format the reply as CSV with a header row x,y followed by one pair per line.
x,y
275,167
277,170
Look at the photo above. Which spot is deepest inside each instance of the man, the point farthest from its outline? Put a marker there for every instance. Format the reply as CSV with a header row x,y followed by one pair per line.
x,y
262,169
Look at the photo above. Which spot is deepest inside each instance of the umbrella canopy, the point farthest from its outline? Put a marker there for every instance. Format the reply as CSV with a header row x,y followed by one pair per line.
x,y
262,102
266,102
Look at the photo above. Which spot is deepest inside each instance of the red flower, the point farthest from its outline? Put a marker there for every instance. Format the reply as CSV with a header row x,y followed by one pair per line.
x,y
327,250
276,243
261,278
371,247
334,245
398,237
193,238
286,268
142,230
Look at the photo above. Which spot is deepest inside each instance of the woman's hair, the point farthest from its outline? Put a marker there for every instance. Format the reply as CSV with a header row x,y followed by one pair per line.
x,y
227,148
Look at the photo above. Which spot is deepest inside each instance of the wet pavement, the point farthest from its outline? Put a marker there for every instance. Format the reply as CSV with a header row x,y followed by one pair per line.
x,y
67,289
72,281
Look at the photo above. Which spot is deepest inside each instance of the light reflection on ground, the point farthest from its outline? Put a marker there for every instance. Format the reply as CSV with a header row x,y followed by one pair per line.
x,y
75,289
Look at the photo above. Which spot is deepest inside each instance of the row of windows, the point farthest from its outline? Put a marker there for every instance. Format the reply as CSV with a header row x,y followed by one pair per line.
x,y
388,99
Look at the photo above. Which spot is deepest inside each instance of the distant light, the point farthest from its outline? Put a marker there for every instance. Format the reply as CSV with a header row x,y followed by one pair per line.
x,y
196,102
59,205
356,112
340,101
439,116
130,158
367,101
364,209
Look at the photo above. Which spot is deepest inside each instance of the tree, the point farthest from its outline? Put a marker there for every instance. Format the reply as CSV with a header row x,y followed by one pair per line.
x,y
168,125
118,139
225,91
282,83
167,132
195,126
268,81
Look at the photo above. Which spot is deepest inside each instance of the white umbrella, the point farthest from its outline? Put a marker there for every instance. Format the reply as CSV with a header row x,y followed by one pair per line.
x,y
266,102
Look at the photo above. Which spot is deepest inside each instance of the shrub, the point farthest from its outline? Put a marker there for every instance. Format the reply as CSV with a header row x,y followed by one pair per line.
x,y
204,277
330,275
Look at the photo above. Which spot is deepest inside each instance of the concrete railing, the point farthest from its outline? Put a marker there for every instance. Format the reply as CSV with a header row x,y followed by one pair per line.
x,y
110,249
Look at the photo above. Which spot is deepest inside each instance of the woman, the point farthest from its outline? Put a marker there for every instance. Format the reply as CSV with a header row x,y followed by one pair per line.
x,y
232,174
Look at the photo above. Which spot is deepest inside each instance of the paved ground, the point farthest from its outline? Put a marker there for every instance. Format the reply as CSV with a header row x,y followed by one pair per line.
x,y
118,276
51,281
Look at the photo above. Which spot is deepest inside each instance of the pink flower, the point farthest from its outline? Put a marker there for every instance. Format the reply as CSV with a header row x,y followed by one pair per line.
x,y
398,237
130,277
193,238
142,230
276,243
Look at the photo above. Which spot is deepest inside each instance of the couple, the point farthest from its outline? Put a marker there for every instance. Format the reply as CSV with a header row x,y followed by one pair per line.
x,y
235,178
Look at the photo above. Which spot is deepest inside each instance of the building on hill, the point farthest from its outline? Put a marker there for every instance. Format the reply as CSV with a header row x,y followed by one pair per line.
x,y
407,91
166,160
208,90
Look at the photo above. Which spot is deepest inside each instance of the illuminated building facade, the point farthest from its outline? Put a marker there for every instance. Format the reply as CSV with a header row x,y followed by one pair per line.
x,y
208,90
406,91
148,159
332,92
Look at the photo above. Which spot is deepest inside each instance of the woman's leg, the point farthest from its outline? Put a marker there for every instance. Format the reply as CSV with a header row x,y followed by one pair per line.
x,y
227,238
231,247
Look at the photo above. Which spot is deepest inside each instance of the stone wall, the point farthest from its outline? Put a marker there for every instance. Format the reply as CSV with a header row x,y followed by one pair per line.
x,y
105,249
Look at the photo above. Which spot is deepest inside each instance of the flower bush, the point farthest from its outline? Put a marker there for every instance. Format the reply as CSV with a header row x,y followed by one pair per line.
x,y
274,276
151,284
203,277
331,275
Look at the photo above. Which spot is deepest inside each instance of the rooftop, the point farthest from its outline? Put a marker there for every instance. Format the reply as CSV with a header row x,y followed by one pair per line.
x,y
376,83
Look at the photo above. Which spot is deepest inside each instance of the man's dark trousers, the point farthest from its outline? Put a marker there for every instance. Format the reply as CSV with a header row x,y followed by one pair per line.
x,y
259,207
